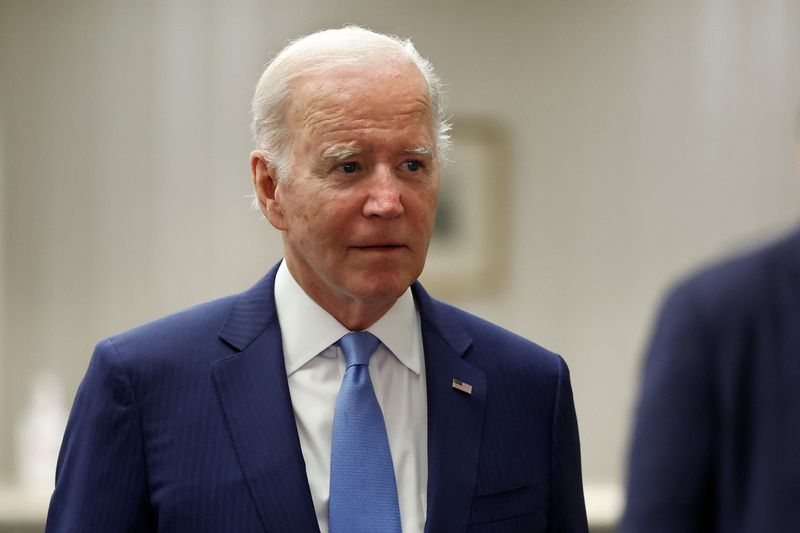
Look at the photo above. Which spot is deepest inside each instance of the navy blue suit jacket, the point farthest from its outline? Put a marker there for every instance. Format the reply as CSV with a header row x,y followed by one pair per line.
x,y
716,444
186,425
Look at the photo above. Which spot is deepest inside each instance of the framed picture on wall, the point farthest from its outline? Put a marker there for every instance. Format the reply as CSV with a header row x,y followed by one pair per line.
x,y
468,251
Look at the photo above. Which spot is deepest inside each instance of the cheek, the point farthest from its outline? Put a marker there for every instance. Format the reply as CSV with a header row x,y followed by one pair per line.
x,y
426,209
298,207
319,223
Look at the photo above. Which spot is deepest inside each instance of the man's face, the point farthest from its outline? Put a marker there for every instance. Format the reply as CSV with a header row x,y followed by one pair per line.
x,y
358,209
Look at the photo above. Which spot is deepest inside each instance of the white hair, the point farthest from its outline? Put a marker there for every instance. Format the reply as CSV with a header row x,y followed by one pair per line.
x,y
351,45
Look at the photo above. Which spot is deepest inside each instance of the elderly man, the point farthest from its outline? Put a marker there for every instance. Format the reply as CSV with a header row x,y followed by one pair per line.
x,y
335,394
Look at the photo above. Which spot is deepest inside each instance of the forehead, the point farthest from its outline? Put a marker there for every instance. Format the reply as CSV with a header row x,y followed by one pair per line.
x,y
356,102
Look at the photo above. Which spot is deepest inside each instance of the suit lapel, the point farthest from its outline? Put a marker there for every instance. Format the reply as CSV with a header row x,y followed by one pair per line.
x,y
254,395
455,419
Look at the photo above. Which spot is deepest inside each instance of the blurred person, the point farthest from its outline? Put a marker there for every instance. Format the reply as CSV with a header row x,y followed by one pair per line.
x,y
264,411
716,439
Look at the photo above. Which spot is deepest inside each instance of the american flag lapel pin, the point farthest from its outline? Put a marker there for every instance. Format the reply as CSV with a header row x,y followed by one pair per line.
x,y
466,388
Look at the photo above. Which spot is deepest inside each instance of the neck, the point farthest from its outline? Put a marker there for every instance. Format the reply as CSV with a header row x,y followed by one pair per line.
x,y
358,317
356,314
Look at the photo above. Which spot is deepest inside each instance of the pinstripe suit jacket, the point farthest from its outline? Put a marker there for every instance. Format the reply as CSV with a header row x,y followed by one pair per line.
x,y
186,425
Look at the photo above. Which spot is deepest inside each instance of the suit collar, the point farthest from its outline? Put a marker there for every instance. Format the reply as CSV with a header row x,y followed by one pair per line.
x,y
435,314
455,419
251,313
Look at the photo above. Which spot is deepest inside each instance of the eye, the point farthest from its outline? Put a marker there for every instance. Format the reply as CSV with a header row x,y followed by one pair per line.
x,y
413,165
349,168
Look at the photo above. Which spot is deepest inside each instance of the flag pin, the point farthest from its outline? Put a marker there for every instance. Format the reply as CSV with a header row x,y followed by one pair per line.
x,y
466,388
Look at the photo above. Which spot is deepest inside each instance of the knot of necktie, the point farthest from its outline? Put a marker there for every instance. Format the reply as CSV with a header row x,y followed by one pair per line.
x,y
358,347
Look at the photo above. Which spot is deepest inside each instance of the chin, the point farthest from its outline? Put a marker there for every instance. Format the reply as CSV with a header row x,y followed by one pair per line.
x,y
385,289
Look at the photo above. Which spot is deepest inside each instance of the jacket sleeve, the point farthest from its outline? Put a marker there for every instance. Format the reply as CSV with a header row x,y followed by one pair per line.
x,y
101,483
567,507
669,474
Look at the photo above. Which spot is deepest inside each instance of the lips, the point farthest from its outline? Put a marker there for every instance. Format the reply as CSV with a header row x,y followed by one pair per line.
x,y
378,246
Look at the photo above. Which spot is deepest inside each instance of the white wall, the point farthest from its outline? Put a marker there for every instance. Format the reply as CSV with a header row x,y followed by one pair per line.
x,y
644,138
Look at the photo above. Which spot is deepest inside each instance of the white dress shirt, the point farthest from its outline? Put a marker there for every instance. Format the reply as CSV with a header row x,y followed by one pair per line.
x,y
315,368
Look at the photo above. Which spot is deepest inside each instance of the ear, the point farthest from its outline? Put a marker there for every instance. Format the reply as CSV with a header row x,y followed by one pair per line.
x,y
265,185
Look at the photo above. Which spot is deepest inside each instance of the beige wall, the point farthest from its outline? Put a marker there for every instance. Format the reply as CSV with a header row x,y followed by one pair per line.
x,y
4,381
644,139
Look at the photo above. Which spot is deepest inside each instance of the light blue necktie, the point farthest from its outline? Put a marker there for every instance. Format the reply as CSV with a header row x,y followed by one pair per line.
x,y
363,496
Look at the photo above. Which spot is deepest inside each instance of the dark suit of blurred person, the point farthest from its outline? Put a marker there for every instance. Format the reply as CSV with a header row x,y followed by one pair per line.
x,y
716,444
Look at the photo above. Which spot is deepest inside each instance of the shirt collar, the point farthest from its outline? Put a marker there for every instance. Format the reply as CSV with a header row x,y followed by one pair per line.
x,y
298,314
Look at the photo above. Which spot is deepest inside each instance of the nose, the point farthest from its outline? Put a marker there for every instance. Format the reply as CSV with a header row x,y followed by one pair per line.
x,y
383,195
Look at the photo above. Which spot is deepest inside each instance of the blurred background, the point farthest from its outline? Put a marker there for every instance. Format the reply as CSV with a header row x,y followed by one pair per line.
x,y
608,148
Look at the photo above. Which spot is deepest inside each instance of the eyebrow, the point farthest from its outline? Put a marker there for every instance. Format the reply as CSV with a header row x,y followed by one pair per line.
x,y
420,150
340,154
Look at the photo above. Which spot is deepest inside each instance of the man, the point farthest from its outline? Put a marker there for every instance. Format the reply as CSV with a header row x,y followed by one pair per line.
x,y
717,432
238,415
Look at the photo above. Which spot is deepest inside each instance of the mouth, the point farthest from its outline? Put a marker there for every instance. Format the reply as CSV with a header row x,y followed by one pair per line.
x,y
379,247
